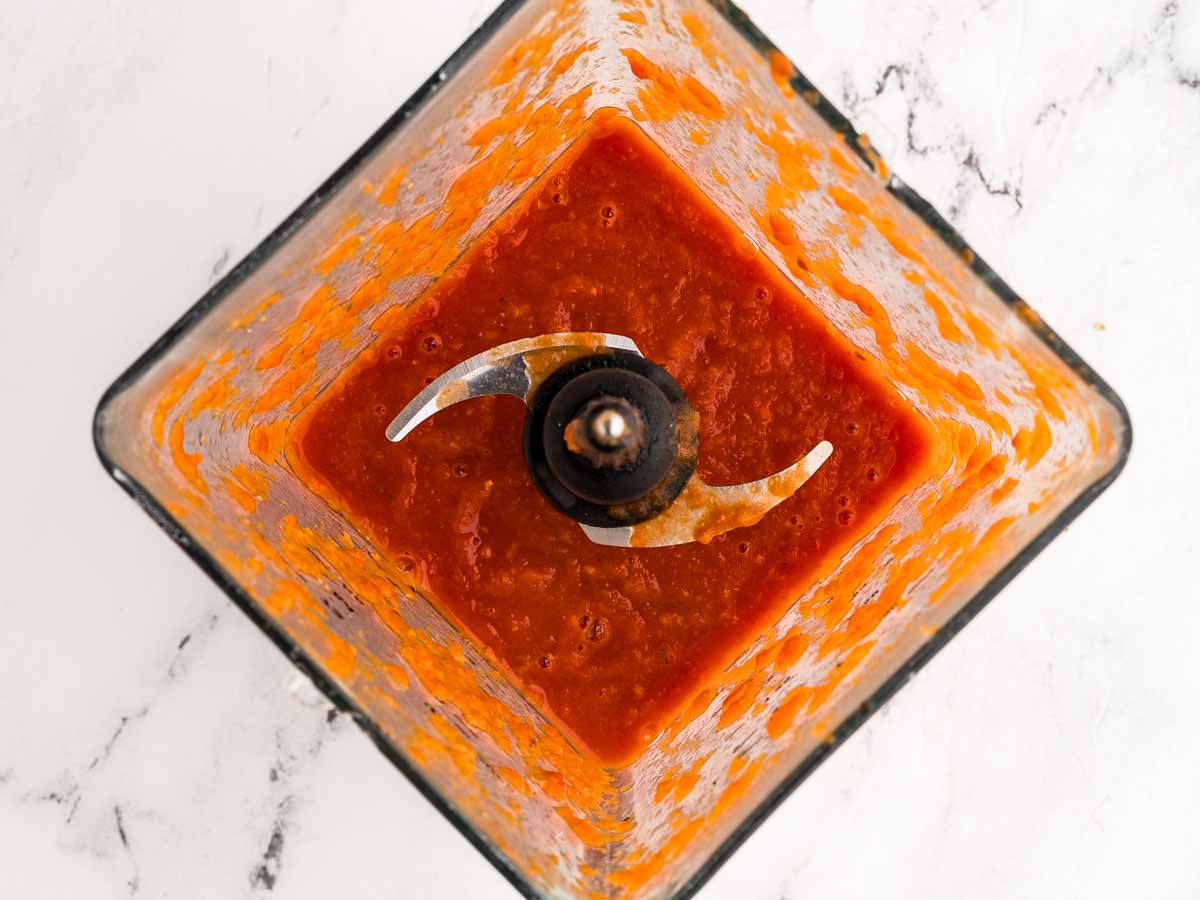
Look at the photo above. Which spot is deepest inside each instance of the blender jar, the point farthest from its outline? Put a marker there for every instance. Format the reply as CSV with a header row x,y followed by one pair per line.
x,y
1015,434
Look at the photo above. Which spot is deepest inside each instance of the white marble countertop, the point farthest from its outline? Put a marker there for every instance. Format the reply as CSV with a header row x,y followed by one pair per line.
x,y
153,743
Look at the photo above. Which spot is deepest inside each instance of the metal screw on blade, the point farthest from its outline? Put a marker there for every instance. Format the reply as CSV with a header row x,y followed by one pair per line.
x,y
608,432
610,428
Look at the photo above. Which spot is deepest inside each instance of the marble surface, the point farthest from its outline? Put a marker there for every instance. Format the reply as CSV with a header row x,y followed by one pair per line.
x,y
153,744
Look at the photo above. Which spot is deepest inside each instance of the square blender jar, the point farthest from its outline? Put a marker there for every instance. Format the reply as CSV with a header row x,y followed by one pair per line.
x,y
1019,433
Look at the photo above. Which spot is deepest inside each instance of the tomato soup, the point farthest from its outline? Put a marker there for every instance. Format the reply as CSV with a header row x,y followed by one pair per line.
x,y
611,641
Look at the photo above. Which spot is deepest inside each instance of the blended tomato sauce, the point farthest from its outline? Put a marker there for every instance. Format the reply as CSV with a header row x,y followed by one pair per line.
x,y
611,642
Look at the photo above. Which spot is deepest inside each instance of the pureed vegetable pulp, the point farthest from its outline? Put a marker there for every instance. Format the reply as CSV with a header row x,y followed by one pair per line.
x,y
612,641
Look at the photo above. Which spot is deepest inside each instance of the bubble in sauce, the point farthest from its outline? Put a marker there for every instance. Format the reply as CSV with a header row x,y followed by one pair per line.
x,y
599,630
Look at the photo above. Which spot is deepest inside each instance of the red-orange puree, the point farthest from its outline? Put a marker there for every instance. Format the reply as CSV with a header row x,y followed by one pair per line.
x,y
612,641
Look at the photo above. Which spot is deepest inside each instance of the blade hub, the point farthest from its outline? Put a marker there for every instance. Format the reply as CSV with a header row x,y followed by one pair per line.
x,y
603,439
